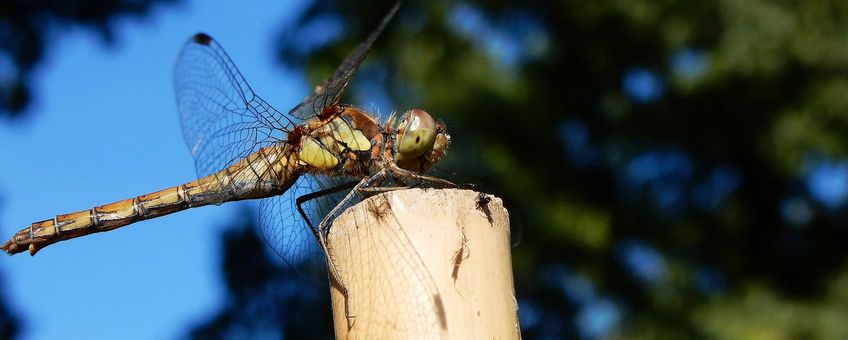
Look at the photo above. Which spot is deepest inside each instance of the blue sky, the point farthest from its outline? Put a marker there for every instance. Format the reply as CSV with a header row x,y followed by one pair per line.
x,y
104,127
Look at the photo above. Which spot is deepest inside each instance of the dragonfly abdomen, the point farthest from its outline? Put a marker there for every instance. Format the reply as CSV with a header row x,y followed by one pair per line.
x,y
98,219
261,174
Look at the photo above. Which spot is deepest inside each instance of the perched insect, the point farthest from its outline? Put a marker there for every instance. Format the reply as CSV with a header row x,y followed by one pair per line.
x,y
298,162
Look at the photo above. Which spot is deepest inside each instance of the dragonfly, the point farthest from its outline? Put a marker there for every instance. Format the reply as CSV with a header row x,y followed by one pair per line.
x,y
299,163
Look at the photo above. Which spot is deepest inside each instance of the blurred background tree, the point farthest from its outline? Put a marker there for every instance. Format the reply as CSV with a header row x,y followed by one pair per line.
x,y
26,27
265,299
9,323
675,169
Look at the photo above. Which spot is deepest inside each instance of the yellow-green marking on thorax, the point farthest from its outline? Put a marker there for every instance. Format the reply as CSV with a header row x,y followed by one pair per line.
x,y
333,138
350,138
313,153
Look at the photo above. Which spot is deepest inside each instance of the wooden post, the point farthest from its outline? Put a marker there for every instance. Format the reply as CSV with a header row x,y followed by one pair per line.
x,y
424,264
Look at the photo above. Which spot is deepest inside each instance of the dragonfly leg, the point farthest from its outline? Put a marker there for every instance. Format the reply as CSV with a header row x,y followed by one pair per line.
x,y
380,190
323,232
313,195
403,173
318,232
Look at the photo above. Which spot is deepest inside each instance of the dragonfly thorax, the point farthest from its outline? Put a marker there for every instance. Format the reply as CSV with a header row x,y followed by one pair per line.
x,y
334,144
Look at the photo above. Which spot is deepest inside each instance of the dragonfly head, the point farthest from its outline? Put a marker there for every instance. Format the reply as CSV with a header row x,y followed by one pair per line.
x,y
421,141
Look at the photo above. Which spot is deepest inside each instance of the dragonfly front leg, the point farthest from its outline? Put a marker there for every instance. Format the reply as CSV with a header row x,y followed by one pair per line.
x,y
403,173
380,190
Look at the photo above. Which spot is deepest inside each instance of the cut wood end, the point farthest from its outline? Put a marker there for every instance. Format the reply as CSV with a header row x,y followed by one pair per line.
x,y
427,202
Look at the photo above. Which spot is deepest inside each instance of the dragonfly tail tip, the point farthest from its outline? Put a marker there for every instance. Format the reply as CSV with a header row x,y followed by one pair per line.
x,y
9,247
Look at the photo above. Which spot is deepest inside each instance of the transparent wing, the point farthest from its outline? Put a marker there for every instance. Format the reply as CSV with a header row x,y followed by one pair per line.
x,y
289,234
399,262
329,91
223,120
295,243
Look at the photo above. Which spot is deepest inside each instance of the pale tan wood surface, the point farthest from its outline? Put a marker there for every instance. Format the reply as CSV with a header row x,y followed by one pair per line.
x,y
424,264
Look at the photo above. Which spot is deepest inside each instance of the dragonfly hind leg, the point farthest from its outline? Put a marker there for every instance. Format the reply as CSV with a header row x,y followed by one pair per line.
x,y
320,236
323,231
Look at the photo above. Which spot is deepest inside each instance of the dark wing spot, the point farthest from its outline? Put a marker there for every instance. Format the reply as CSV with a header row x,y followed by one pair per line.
x,y
417,139
202,38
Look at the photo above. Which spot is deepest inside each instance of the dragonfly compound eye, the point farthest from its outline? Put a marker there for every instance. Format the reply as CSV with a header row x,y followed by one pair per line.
x,y
416,135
